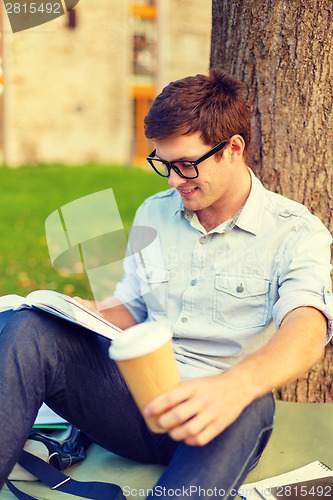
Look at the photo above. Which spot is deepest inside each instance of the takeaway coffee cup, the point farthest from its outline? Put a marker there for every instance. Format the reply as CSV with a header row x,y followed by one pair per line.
x,y
145,357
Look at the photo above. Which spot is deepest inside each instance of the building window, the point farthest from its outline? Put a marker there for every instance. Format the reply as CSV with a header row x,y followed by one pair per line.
x,y
143,14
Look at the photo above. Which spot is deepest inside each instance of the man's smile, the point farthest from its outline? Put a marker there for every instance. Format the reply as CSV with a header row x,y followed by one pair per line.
x,y
187,192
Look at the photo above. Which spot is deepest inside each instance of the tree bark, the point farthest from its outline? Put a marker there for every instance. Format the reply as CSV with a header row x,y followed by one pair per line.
x,y
283,51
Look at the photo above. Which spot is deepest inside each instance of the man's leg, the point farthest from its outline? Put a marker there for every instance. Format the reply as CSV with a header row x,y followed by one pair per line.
x,y
217,469
45,358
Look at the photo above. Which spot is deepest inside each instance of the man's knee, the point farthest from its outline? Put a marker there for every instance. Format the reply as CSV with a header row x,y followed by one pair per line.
x,y
26,334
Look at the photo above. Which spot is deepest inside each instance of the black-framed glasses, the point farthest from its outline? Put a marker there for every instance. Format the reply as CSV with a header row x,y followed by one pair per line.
x,y
184,168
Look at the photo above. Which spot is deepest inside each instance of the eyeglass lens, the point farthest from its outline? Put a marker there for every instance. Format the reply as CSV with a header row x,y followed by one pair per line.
x,y
186,169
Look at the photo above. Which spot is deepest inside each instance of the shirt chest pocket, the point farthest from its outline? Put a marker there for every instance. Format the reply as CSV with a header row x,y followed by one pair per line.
x,y
154,286
241,302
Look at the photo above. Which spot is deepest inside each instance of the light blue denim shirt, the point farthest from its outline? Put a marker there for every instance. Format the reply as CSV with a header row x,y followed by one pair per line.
x,y
218,291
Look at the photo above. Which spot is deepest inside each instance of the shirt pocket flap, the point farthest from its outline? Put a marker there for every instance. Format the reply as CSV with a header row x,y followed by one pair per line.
x,y
242,287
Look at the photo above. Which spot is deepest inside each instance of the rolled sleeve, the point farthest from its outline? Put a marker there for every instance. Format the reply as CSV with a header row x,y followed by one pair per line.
x,y
304,280
321,301
129,293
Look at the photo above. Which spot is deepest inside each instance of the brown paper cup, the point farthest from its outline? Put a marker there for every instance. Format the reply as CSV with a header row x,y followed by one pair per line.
x,y
150,367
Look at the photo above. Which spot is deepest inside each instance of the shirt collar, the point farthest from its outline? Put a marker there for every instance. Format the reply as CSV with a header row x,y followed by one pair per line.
x,y
249,217
179,207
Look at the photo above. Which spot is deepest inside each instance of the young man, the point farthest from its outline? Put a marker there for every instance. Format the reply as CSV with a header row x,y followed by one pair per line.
x,y
229,256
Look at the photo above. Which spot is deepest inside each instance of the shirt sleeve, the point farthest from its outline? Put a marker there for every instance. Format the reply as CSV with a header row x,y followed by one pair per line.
x,y
128,290
304,277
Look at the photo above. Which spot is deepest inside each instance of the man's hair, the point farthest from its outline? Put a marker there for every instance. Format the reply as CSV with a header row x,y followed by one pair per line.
x,y
213,105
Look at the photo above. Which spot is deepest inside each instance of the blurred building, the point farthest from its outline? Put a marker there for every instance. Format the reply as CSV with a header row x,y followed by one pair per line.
x,y
76,89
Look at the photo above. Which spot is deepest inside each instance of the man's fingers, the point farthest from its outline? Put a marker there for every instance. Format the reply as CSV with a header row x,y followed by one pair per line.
x,y
191,427
89,304
198,410
83,302
204,437
179,414
166,401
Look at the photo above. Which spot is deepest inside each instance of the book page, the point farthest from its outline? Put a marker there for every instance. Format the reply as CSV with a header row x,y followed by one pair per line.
x,y
11,301
47,416
68,308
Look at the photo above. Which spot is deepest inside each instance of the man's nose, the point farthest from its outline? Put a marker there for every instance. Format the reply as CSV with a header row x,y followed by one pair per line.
x,y
175,180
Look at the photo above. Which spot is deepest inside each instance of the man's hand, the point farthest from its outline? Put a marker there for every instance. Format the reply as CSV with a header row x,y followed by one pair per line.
x,y
199,409
114,311
89,304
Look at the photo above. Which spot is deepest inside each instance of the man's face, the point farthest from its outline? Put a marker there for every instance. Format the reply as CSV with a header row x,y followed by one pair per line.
x,y
216,187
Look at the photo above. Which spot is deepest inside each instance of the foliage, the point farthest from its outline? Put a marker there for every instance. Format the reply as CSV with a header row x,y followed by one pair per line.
x,y
30,194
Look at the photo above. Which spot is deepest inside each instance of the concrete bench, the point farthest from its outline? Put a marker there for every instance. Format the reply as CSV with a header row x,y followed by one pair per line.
x,y
303,433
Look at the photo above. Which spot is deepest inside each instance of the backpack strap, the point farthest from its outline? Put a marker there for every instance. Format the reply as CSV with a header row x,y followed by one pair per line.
x,y
56,480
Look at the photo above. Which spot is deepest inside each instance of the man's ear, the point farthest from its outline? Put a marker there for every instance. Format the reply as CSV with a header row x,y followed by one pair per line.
x,y
237,146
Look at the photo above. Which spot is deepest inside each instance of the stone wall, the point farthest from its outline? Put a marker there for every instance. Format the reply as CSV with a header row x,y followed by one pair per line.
x,y
185,42
67,91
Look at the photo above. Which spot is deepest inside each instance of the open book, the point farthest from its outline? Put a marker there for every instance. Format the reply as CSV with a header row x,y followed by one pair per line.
x,y
314,480
63,306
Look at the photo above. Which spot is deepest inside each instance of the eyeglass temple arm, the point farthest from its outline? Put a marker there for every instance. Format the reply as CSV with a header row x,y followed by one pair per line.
x,y
215,149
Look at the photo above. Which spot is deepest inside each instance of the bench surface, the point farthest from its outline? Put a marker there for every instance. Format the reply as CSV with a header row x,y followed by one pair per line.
x,y
303,433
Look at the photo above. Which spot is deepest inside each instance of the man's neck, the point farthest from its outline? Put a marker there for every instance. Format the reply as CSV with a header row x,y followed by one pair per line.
x,y
213,216
210,222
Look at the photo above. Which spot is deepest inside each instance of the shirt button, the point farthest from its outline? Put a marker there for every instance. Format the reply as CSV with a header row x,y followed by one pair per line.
x,y
193,282
285,213
184,320
203,240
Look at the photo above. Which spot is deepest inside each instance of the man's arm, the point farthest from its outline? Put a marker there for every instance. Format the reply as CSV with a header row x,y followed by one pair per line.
x,y
119,315
200,409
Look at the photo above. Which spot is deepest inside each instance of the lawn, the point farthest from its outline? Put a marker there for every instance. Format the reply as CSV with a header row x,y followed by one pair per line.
x,y
30,194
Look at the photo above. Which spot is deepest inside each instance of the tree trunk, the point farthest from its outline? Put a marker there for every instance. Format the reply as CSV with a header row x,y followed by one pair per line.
x,y
283,51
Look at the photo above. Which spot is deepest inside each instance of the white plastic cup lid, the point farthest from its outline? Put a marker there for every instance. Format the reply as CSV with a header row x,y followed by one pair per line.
x,y
139,340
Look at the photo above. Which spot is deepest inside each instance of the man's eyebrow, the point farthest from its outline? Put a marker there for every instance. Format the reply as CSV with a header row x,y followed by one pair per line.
x,y
178,159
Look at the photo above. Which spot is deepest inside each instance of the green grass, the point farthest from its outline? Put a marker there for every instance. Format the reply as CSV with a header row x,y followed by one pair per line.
x,y
30,194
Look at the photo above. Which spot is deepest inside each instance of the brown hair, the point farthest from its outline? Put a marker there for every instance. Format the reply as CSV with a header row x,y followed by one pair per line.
x,y
213,105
